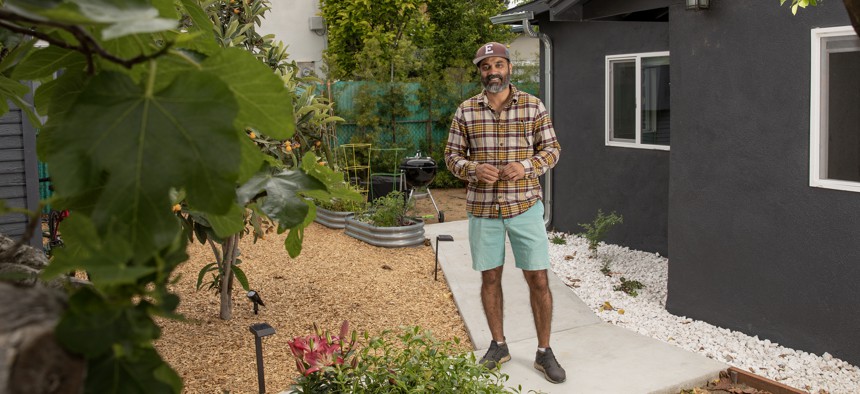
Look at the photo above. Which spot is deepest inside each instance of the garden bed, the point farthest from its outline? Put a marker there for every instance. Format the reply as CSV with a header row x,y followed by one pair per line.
x,y
335,278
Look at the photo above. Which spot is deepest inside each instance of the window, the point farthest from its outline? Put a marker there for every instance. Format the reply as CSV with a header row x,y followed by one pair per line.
x,y
834,120
637,100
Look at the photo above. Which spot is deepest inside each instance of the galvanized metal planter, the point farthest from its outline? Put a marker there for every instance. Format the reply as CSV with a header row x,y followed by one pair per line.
x,y
332,219
387,237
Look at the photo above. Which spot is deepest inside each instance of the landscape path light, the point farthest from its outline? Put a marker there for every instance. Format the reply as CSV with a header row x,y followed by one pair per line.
x,y
254,296
261,330
440,237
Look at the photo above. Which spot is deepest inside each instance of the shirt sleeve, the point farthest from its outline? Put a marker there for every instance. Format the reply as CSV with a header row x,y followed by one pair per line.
x,y
547,148
456,149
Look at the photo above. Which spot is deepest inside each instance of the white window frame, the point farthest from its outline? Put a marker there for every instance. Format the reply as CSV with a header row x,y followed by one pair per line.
x,y
637,57
818,106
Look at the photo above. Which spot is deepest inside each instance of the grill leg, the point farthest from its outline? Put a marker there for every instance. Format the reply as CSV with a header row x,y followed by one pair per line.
x,y
432,200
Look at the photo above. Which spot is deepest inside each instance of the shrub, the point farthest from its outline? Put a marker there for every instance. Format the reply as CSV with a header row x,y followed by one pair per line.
x,y
419,363
629,286
558,240
596,231
387,211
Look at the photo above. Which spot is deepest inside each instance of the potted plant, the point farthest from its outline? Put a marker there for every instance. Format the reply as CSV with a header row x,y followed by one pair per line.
x,y
385,223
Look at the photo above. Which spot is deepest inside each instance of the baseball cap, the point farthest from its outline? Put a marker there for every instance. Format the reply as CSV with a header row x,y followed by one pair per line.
x,y
491,49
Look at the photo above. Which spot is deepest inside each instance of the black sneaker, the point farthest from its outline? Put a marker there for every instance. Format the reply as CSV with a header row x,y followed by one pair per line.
x,y
546,363
496,355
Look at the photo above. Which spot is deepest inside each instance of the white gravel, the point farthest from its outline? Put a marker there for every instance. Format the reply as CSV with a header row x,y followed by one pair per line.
x,y
647,315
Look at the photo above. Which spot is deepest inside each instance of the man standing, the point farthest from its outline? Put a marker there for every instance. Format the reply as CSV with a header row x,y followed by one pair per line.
x,y
501,141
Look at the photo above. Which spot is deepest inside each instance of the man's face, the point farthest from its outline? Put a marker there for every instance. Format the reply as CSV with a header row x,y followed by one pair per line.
x,y
495,73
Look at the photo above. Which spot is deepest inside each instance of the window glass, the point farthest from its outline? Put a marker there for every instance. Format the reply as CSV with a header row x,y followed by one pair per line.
x,y
623,81
841,131
655,100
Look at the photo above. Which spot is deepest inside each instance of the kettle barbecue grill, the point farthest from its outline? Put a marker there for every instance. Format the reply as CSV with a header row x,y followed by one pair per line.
x,y
418,173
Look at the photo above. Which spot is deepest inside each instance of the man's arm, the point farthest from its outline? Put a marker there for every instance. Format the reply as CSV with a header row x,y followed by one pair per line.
x,y
547,149
456,148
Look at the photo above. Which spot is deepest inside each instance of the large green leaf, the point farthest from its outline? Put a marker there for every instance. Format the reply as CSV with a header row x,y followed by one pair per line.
x,y
107,261
121,17
264,103
146,143
293,242
228,224
92,325
43,63
10,88
143,372
276,195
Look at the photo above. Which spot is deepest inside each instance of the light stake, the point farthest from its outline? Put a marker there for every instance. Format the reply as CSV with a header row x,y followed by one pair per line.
x,y
440,237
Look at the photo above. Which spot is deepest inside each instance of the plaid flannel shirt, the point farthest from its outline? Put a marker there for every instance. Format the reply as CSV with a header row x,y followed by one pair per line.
x,y
522,131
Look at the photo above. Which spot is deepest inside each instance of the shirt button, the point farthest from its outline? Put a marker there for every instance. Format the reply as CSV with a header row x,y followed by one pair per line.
x,y
501,144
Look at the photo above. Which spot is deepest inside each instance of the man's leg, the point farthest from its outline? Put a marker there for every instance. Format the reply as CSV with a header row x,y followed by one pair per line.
x,y
493,301
541,300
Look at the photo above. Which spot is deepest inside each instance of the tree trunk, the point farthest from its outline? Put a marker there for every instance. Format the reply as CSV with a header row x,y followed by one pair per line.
x,y
31,360
853,8
230,249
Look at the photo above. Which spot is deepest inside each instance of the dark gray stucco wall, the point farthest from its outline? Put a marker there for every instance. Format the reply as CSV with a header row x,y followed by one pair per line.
x,y
753,246
591,175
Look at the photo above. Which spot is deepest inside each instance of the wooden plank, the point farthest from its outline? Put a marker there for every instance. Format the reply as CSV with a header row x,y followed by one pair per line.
x,y
11,142
13,116
10,129
13,218
761,382
12,155
11,178
12,191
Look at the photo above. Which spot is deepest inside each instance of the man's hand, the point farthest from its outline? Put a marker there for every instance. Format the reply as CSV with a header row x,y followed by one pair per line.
x,y
512,172
487,173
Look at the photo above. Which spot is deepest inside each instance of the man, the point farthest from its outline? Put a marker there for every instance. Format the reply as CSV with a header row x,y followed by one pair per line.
x,y
501,141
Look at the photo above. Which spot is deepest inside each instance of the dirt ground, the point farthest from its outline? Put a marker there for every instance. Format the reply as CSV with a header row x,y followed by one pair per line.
x,y
335,278
452,202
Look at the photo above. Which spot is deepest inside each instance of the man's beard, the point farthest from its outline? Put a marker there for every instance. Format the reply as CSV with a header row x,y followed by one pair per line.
x,y
496,87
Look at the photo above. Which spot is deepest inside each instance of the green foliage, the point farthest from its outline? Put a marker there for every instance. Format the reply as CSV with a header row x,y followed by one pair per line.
x,y
416,363
214,282
605,270
459,27
799,3
148,110
372,37
559,240
596,231
629,286
399,41
387,211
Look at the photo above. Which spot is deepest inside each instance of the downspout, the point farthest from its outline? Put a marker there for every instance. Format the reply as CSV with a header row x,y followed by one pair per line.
x,y
524,17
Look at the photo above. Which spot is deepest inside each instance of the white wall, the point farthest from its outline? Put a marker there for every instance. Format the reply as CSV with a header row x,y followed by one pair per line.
x,y
288,21
524,49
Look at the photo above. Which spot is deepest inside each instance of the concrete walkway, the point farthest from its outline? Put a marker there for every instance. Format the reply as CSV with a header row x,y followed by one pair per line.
x,y
598,357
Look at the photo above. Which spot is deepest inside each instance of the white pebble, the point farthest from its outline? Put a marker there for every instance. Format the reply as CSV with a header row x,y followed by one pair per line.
x,y
647,315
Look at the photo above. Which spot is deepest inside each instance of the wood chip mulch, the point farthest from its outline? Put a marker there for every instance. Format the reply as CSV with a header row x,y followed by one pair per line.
x,y
335,278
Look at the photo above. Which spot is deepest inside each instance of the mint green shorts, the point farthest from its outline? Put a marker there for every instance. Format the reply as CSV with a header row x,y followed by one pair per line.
x,y
526,232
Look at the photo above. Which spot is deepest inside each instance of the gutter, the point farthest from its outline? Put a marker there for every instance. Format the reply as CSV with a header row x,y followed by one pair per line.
x,y
524,17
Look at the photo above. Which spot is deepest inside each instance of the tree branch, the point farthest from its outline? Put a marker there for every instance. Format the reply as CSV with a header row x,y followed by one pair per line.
x,y
88,44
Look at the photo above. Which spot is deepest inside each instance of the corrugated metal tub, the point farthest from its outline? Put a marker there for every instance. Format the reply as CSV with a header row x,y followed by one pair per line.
x,y
387,237
332,219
